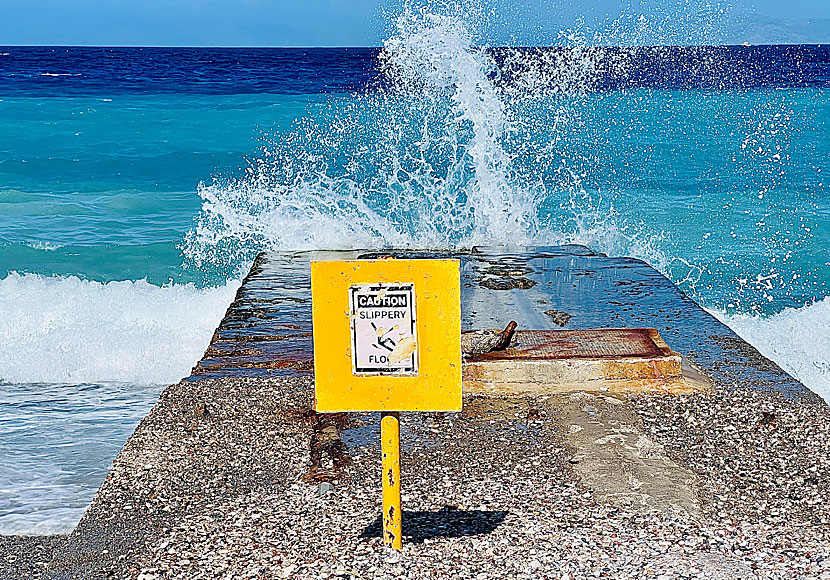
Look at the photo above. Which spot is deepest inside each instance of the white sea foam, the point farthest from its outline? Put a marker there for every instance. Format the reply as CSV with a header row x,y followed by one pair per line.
x,y
798,339
45,246
68,330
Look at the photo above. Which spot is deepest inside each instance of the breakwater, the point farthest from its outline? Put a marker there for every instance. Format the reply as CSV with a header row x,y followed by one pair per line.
x,y
266,332
233,475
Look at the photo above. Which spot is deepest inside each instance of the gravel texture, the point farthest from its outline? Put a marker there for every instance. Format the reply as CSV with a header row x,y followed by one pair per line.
x,y
27,556
219,482
238,478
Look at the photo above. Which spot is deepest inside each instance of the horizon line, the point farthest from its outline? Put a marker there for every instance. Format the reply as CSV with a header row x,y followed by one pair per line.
x,y
347,47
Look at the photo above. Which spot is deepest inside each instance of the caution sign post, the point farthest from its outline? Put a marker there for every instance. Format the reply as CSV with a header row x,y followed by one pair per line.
x,y
387,337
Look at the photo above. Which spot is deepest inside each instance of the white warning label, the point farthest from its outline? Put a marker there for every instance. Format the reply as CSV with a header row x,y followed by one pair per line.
x,y
383,329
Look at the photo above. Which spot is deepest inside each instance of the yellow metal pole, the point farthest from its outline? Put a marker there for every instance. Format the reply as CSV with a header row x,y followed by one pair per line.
x,y
390,436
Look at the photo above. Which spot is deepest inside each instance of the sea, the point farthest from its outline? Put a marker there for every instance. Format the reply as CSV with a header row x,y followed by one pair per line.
x,y
137,184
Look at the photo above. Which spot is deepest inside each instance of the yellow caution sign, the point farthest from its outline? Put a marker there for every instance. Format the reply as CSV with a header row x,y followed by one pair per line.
x,y
387,337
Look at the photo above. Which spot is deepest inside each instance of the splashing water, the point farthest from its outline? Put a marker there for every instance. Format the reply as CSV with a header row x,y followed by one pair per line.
x,y
459,145
426,161
463,145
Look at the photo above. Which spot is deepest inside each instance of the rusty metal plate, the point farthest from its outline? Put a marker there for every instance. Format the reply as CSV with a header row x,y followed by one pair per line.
x,y
604,343
619,360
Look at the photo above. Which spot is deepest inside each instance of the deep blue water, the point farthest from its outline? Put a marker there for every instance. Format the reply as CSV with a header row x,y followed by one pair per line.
x,y
103,71
91,71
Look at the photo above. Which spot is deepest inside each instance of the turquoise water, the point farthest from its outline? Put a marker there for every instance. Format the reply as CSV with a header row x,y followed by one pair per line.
x,y
730,188
131,204
681,176
105,188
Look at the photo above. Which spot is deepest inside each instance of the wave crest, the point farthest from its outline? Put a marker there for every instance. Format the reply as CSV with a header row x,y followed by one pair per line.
x,y
795,338
67,330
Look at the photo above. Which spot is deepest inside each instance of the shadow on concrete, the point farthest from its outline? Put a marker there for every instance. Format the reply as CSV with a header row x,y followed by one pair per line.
x,y
448,522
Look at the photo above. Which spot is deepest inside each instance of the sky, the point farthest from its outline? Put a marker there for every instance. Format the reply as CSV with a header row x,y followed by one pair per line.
x,y
362,22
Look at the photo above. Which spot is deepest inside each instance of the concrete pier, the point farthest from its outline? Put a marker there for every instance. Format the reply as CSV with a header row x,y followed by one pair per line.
x,y
267,329
233,475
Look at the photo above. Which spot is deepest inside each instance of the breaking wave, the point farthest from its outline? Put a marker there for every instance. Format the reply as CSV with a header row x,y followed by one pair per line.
x,y
795,338
67,330
427,160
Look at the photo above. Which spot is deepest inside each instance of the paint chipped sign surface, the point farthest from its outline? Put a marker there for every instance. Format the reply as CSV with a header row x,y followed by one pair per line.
x,y
387,335
384,334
